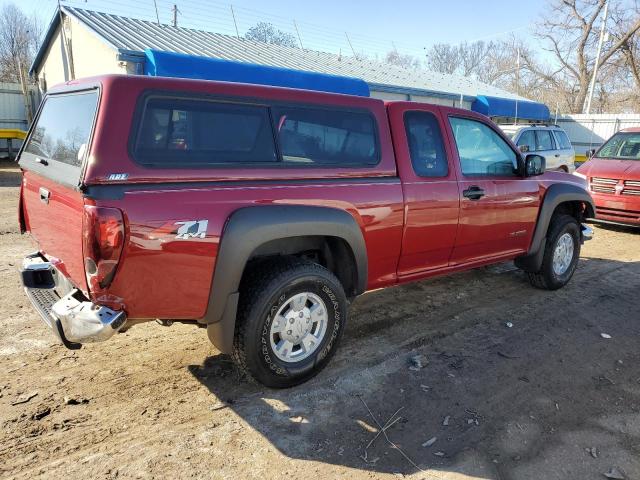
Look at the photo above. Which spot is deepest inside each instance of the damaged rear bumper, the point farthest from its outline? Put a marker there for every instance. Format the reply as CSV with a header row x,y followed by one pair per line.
x,y
64,309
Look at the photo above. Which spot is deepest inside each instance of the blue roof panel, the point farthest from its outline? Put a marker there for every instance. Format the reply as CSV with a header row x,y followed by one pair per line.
x,y
169,64
507,107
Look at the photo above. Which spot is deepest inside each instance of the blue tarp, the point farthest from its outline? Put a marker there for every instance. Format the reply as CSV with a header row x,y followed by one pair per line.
x,y
169,64
506,107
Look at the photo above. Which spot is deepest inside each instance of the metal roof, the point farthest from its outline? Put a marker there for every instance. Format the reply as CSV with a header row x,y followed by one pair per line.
x,y
132,36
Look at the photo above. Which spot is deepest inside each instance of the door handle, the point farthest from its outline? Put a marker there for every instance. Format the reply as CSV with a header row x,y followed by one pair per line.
x,y
44,195
557,154
473,193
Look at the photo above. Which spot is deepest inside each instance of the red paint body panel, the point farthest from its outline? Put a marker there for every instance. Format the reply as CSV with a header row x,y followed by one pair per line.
x,y
413,227
159,274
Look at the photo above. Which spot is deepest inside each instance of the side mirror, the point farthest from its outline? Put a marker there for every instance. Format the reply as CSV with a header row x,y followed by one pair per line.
x,y
523,148
591,152
534,165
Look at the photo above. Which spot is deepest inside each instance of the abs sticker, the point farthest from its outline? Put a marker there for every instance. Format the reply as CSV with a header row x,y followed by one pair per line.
x,y
192,229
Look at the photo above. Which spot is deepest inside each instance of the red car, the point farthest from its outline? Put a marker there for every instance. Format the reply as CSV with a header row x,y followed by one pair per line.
x,y
261,212
613,173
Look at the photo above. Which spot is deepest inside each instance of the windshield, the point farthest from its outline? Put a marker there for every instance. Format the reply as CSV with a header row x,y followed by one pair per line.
x,y
622,146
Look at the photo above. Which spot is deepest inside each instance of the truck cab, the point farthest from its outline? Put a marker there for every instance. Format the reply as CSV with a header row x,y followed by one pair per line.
x,y
260,212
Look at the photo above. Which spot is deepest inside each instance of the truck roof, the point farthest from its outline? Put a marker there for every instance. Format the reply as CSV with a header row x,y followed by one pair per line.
x,y
241,89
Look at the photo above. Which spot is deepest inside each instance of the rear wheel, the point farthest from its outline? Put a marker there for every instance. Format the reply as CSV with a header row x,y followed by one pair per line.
x,y
291,316
561,254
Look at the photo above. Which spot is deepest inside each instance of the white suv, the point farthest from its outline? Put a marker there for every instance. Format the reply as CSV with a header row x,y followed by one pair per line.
x,y
549,141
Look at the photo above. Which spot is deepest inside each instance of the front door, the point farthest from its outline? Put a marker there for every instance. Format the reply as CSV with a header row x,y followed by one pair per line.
x,y
498,207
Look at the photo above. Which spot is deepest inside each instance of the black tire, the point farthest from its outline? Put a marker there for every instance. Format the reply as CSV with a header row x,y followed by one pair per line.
x,y
265,288
546,278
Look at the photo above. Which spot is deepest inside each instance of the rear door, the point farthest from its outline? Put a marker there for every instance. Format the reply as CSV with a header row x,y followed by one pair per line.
x,y
52,162
430,187
546,146
498,207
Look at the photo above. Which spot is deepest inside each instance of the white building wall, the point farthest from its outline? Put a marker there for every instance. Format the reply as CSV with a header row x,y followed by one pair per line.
x,y
89,55
389,96
587,131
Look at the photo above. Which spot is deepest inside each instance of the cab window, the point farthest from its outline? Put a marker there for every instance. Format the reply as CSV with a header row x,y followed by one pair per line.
x,y
481,150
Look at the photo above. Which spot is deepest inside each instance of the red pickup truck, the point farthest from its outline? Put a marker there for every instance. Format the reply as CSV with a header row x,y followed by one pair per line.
x,y
261,212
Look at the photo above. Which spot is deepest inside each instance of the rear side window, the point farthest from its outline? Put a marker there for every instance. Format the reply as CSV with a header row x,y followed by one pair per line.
x,y
325,137
425,144
563,140
180,132
63,127
545,141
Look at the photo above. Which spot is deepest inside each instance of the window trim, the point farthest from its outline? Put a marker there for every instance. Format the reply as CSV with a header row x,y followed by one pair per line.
x,y
519,159
63,171
280,163
442,136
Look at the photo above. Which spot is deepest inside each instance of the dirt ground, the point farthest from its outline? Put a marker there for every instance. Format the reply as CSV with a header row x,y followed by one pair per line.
x,y
546,398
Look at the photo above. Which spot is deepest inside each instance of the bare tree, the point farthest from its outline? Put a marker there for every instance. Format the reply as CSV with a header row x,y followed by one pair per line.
x,y
19,38
267,33
570,32
403,60
443,58
466,59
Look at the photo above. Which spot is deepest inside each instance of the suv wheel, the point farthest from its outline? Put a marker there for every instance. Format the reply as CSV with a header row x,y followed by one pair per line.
x,y
561,254
291,316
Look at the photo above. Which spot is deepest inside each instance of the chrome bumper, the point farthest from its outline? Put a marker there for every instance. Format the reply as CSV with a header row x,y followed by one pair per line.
x,y
71,317
586,232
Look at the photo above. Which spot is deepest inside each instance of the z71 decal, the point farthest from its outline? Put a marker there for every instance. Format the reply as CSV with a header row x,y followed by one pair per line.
x,y
192,229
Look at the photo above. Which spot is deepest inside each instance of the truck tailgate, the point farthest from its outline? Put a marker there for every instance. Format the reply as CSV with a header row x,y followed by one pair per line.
x,y
53,214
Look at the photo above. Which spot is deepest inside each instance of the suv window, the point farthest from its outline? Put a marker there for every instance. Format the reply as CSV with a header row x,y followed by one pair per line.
x,y
528,138
481,150
63,127
309,135
563,140
425,144
545,140
182,132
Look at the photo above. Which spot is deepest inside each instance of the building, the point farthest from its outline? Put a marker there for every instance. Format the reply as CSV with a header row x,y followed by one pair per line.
x,y
93,43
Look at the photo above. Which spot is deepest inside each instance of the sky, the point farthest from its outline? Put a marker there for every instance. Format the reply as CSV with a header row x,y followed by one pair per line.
x,y
373,27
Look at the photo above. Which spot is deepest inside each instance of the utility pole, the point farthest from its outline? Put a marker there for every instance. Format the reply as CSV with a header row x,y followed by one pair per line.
x,y
156,7
233,14
592,86
175,12
298,32
517,83
349,40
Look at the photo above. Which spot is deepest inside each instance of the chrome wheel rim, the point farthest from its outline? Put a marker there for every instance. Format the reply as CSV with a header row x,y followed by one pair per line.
x,y
563,254
298,327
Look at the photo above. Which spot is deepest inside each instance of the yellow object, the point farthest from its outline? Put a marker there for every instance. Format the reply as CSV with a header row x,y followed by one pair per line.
x,y
12,133
581,158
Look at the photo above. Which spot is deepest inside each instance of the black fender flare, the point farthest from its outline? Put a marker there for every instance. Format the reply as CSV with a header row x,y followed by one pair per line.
x,y
555,195
250,227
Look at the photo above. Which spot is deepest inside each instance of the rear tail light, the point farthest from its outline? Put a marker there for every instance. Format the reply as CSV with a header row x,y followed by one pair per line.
x,y
103,240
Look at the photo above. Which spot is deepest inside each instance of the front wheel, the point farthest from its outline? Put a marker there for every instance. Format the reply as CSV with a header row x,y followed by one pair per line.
x,y
561,254
291,316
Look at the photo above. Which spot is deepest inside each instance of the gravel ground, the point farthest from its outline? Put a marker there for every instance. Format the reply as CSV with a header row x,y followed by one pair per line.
x,y
545,398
